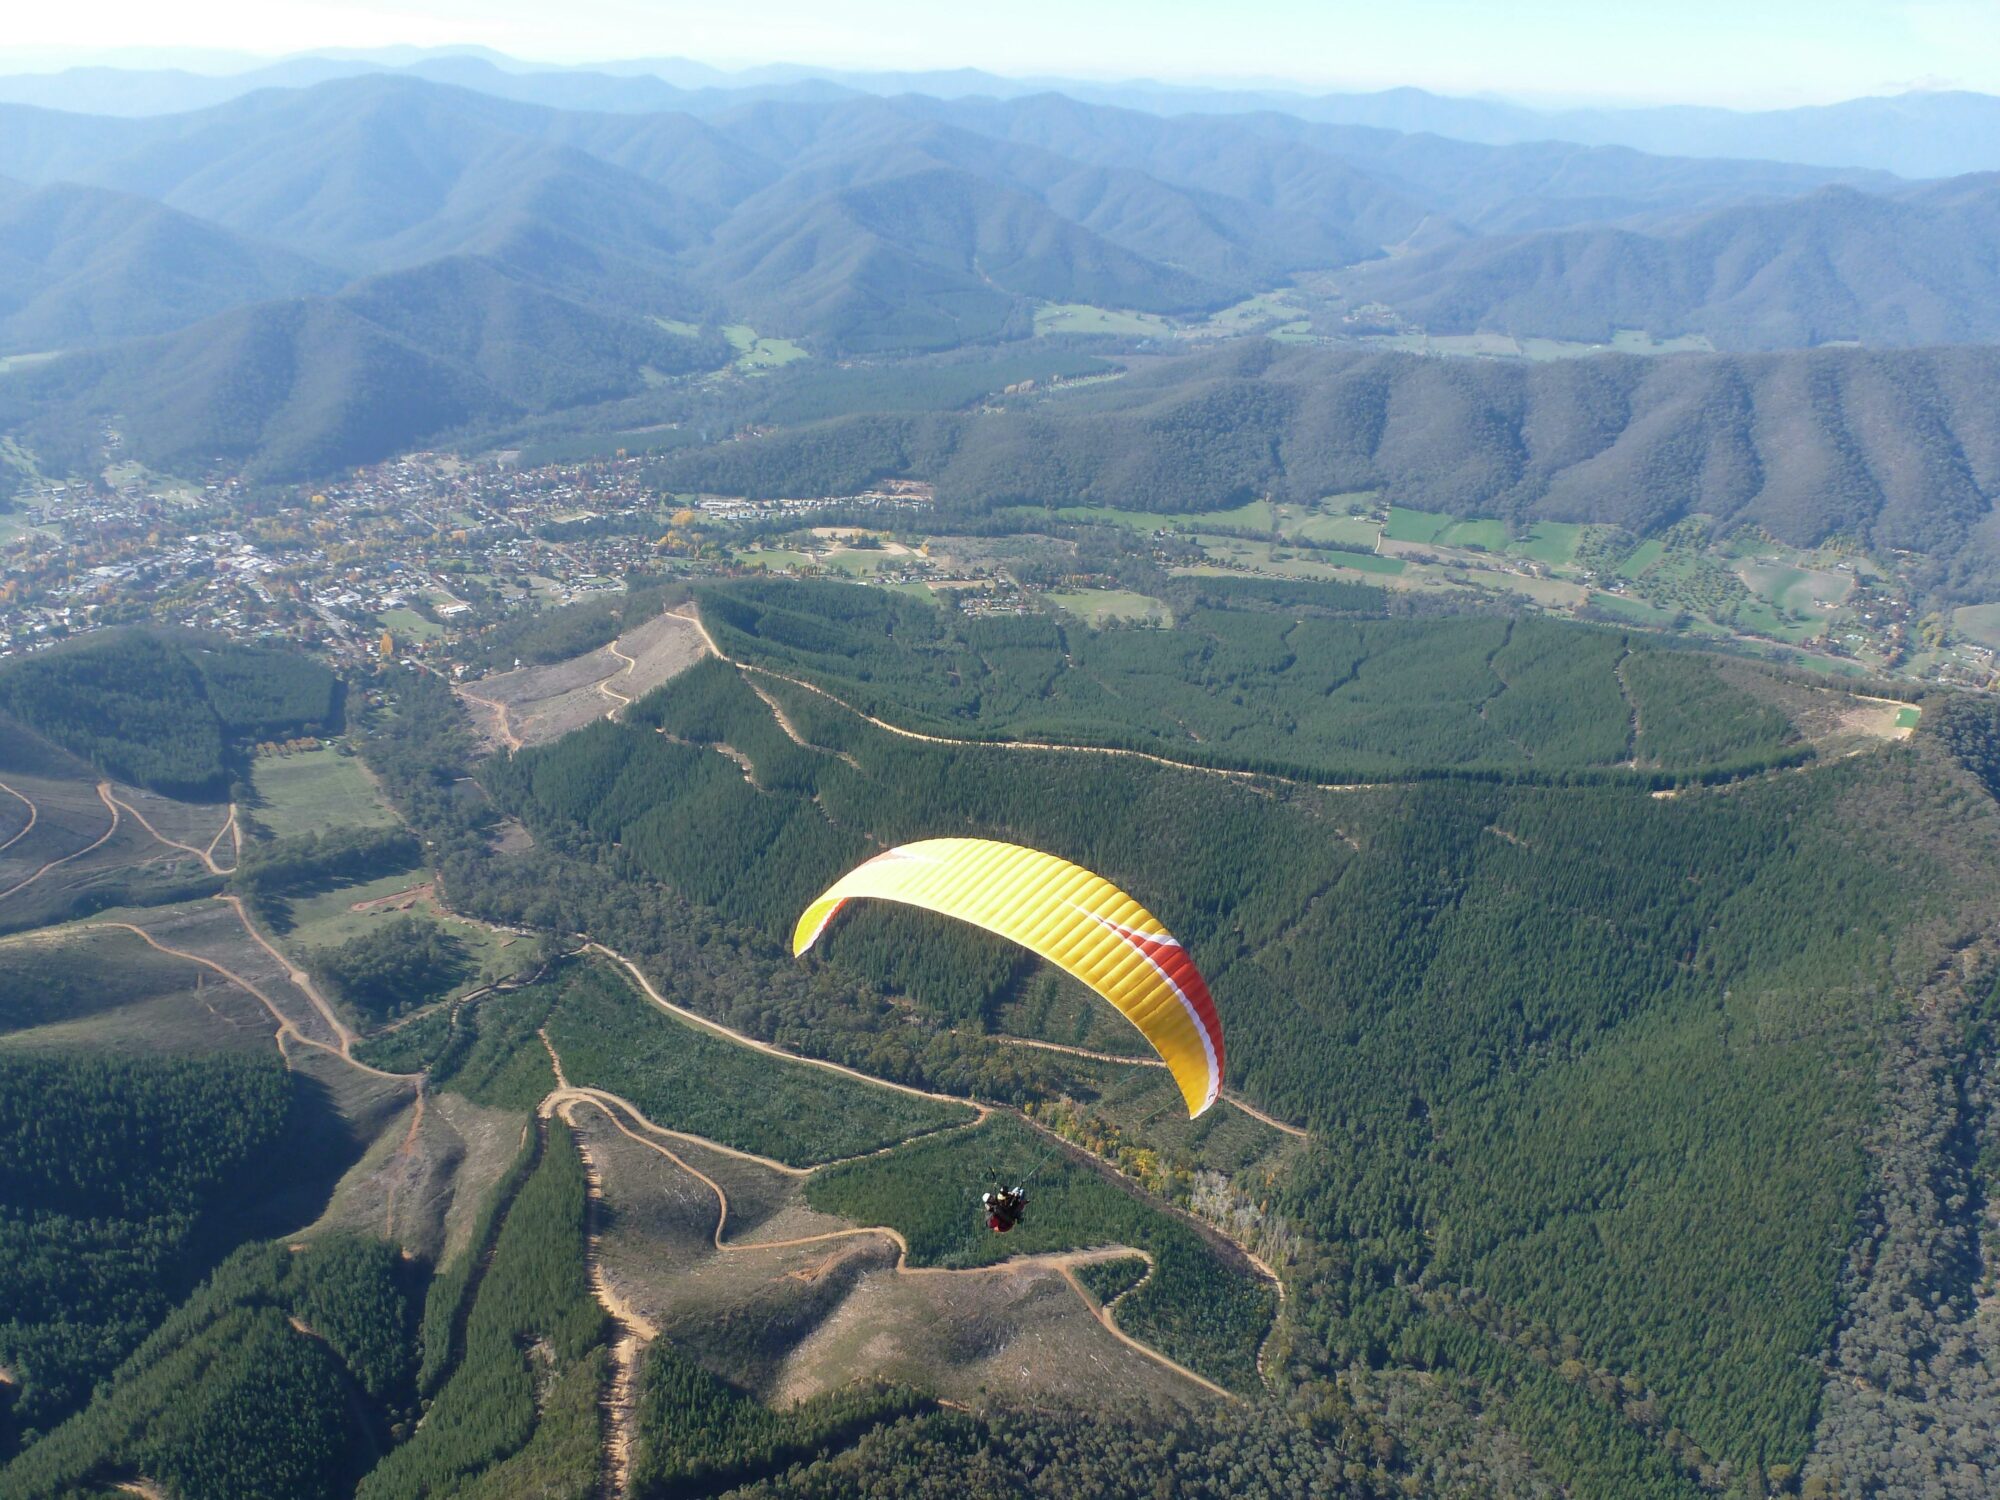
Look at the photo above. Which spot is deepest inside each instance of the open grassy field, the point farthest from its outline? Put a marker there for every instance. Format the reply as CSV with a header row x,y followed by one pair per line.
x,y
1081,317
1407,525
1095,606
310,791
1260,312
859,562
408,625
1979,622
1288,562
1550,542
1636,610
1804,591
773,559
757,353
1642,558
1257,515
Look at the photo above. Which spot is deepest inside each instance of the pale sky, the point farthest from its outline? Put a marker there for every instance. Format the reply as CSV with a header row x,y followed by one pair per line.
x,y
1741,52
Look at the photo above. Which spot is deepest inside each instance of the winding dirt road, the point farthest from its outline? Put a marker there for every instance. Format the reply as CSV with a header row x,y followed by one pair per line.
x,y
206,856
111,805
567,1102
26,828
619,700
498,709
1036,746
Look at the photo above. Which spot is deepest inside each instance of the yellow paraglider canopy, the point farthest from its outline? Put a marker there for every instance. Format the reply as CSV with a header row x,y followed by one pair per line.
x,y
1062,912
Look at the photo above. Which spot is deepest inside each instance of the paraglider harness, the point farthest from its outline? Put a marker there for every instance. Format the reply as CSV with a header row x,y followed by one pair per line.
x,y
1004,1207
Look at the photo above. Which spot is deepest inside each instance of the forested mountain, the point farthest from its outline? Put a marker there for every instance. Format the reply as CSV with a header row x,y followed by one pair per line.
x,y
514,263
373,173
299,388
80,266
1839,265
1930,132
1901,450
167,711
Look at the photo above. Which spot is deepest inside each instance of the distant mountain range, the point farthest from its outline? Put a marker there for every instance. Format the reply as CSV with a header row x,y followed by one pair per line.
x,y
1913,267
452,257
1918,134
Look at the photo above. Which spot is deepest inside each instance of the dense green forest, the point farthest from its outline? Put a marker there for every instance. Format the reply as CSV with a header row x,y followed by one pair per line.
x,y
1298,693
281,1377
518,1413
1258,1454
168,711
1539,1029
120,1178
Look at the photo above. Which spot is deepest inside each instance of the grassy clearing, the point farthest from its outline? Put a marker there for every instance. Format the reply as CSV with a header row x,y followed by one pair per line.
x,y
1287,563
310,791
1979,622
1257,515
1251,315
1353,531
1081,317
1550,542
773,559
1437,529
1642,558
861,563
1635,610
756,353
408,625
1095,606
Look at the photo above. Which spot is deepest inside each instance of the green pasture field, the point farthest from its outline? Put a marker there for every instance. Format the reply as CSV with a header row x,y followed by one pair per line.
x,y
1290,564
1095,606
860,563
1315,526
773,558
1642,558
310,791
1909,718
1551,542
1635,610
1249,315
408,625
1978,622
1081,317
756,353
1257,515
1407,525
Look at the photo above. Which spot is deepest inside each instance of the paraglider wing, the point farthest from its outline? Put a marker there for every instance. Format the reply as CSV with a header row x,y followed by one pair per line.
x,y
1065,914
